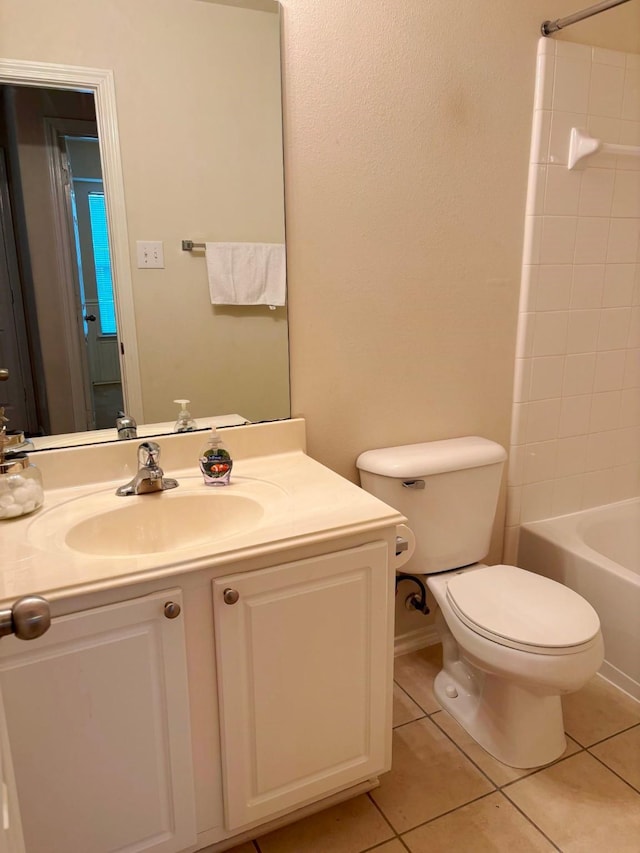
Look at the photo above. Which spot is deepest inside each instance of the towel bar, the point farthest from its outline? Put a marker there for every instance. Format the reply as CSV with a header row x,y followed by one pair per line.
x,y
189,245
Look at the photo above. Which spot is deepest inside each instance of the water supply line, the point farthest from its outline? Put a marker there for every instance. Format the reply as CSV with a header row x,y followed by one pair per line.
x,y
417,600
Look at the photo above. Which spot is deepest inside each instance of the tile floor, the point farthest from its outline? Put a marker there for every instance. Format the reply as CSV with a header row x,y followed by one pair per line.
x,y
444,793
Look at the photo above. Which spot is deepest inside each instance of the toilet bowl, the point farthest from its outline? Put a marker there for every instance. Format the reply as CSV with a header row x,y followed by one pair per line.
x,y
513,641
507,658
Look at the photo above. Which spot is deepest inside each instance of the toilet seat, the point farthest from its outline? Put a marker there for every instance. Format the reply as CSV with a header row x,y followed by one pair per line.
x,y
523,610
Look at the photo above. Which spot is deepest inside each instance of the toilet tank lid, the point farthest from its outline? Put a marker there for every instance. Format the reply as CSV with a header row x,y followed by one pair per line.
x,y
431,457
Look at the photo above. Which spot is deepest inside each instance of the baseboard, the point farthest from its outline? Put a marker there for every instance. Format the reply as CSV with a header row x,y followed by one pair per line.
x,y
411,641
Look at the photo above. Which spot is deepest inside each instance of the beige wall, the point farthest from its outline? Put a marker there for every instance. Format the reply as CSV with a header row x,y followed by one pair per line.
x,y
194,168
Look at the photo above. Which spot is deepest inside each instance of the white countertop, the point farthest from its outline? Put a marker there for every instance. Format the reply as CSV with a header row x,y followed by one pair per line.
x,y
304,503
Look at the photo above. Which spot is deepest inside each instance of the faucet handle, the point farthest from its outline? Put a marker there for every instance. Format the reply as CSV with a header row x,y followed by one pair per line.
x,y
148,454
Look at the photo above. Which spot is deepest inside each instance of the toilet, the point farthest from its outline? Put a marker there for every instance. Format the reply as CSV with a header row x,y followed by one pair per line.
x,y
513,642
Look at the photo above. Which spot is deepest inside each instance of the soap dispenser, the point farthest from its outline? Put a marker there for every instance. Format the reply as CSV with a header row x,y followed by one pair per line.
x,y
185,422
215,461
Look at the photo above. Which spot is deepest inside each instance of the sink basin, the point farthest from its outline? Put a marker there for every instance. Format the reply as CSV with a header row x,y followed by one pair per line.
x,y
153,525
105,525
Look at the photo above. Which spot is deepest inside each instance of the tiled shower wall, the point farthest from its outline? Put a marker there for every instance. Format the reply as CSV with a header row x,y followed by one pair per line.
x,y
576,415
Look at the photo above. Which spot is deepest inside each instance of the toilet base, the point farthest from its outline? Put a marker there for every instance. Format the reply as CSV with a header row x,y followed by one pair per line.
x,y
518,727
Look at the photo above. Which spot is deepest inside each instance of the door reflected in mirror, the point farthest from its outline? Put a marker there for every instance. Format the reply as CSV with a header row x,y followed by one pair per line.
x,y
199,140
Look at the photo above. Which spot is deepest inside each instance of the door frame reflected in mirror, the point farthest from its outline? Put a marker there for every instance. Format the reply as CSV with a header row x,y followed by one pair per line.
x,y
99,83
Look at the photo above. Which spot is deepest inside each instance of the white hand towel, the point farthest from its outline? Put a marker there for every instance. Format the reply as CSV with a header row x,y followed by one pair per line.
x,y
246,273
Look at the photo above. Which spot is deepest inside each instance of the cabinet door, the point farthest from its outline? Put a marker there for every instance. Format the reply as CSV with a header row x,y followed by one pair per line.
x,y
97,717
304,678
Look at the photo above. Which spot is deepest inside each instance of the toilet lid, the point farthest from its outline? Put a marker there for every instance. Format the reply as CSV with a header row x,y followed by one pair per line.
x,y
519,608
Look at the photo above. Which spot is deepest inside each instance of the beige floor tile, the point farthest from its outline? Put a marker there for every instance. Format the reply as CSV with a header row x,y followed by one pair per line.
x,y
349,827
598,711
499,773
622,754
404,708
429,776
394,846
581,806
415,672
486,826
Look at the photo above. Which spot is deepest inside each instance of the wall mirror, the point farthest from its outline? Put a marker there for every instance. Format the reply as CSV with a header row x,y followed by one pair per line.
x,y
182,99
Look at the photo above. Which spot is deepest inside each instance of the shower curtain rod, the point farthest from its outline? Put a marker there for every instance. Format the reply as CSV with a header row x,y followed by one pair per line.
x,y
549,27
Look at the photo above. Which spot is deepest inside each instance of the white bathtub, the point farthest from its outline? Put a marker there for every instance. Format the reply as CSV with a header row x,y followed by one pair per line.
x,y
597,553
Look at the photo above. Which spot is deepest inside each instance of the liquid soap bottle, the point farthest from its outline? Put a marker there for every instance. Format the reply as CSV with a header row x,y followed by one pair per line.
x,y
215,461
185,422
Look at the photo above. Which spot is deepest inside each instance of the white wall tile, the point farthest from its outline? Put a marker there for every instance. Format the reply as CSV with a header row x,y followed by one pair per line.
x,y
633,340
627,446
550,337
596,192
614,328
574,416
619,284
582,333
573,50
553,287
536,501
545,69
587,285
626,194
562,191
540,461
567,495
606,90
596,488
571,85
600,450
625,482
624,240
546,377
592,238
609,57
543,420
557,240
632,369
571,455
631,96
609,373
605,411
630,407
579,373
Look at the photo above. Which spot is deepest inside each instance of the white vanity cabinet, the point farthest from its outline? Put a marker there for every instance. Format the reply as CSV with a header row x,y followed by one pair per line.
x,y
303,661
97,719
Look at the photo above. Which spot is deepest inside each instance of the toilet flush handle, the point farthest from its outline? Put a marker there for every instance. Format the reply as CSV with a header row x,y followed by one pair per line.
x,y
413,484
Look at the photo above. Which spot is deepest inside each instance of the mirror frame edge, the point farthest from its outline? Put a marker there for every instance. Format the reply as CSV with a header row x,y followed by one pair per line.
x,y
100,83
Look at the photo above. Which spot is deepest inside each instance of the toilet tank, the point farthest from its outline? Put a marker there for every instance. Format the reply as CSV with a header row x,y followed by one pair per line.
x,y
448,490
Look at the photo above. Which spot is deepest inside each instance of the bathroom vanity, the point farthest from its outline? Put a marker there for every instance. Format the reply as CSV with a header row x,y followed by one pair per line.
x,y
219,661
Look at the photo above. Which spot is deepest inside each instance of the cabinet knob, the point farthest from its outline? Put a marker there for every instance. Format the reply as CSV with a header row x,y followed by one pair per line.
x,y
28,619
171,610
230,596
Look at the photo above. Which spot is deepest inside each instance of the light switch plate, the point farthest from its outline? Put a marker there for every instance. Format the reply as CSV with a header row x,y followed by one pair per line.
x,y
150,254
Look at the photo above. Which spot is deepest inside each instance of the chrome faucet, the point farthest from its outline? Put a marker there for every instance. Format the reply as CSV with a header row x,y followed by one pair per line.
x,y
150,476
126,426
